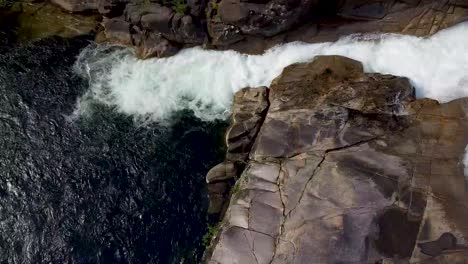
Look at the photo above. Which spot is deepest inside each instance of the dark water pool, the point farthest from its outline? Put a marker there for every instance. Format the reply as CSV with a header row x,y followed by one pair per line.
x,y
100,189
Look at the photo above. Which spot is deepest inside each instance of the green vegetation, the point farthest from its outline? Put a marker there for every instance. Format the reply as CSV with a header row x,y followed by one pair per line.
x,y
212,232
180,6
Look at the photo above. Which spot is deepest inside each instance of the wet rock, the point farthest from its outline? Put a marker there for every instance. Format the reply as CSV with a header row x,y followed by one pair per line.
x,y
348,167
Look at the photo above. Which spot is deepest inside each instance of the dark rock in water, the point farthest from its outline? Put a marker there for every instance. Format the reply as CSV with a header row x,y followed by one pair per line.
x,y
348,167
100,188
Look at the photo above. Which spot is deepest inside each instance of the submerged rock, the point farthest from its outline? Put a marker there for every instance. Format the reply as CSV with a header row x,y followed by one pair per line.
x,y
349,167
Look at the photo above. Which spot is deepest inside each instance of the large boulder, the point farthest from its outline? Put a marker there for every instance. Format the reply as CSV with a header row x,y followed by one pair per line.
x,y
158,20
348,167
118,31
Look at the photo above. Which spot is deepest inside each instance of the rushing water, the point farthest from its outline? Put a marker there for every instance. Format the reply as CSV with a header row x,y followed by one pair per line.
x,y
204,81
101,188
102,158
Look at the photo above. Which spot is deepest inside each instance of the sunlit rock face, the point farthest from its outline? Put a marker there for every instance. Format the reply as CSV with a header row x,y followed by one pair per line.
x,y
348,167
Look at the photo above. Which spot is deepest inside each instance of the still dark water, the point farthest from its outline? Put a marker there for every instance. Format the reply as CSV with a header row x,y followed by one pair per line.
x,y
99,189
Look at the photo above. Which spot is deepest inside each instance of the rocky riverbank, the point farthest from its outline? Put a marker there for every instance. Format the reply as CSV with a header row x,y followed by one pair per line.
x,y
342,166
161,28
329,164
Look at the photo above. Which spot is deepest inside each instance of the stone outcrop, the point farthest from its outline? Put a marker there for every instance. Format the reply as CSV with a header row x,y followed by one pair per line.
x,y
252,26
329,20
348,167
248,113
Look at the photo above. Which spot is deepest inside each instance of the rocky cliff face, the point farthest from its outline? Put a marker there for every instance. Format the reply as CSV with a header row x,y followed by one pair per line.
x,y
160,28
347,167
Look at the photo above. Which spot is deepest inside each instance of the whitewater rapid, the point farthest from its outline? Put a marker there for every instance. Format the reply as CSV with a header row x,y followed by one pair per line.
x,y
204,81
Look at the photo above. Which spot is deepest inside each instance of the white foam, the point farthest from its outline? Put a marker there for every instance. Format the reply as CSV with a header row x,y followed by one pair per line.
x,y
204,81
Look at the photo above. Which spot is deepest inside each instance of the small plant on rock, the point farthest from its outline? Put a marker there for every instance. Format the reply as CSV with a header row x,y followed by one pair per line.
x,y
212,232
179,6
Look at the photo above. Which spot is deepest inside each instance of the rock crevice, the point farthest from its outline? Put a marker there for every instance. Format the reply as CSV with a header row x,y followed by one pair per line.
x,y
344,169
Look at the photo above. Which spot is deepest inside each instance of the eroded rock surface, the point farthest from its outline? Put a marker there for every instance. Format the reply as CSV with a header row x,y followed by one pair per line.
x,y
349,167
245,25
248,113
252,26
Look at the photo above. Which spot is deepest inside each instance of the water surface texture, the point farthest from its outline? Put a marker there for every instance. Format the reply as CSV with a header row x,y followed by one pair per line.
x,y
101,188
204,81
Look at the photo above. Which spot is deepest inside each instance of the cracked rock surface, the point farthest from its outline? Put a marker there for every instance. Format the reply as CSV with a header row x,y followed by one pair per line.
x,y
158,28
349,167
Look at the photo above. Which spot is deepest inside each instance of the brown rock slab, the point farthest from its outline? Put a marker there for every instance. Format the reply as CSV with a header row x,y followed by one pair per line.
x,y
349,167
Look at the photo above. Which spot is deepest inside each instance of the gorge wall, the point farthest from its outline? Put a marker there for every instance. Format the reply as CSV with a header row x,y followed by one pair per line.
x,y
347,167
329,164
161,28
